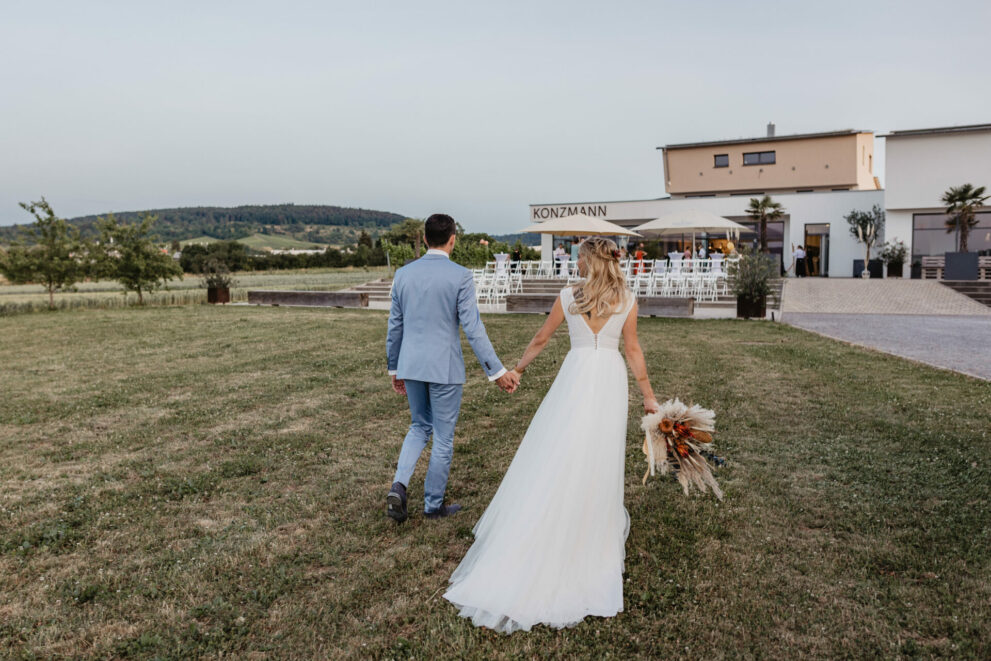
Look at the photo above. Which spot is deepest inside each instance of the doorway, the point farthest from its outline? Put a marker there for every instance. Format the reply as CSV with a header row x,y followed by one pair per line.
x,y
817,249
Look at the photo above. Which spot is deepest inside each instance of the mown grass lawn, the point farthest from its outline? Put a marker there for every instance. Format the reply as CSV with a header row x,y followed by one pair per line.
x,y
192,482
16,299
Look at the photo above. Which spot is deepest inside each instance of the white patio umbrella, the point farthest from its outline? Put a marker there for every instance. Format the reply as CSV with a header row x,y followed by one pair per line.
x,y
692,220
579,225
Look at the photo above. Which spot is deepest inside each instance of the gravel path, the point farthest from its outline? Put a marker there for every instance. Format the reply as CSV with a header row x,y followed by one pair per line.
x,y
959,343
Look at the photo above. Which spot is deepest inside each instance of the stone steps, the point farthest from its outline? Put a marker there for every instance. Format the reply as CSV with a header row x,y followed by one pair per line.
x,y
979,290
377,290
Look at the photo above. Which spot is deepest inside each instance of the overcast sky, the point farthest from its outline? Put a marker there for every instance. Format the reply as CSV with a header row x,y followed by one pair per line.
x,y
474,109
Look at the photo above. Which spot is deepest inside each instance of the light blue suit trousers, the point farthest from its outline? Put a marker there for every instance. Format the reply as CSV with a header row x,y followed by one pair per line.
x,y
434,408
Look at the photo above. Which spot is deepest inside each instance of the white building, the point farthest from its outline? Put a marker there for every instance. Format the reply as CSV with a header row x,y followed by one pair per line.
x,y
818,178
920,165
811,219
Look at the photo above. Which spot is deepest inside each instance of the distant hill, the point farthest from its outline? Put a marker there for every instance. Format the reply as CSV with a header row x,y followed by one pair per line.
x,y
262,242
309,224
525,239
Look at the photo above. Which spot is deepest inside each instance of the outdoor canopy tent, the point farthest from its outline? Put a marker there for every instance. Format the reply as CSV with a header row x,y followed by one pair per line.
x,y
692,220
579,225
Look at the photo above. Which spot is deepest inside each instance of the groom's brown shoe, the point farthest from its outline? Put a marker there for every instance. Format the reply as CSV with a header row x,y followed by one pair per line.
x,y
444,511
396,502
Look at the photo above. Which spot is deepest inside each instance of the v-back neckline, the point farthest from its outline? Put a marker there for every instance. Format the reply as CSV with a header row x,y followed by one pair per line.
x,y
589,327
619,309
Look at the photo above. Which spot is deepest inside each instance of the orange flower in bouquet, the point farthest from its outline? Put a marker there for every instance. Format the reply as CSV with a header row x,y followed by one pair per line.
x,y
675,438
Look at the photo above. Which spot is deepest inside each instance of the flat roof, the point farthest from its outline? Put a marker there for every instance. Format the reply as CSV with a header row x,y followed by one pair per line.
x,y
738,141
969,128
707,197
571,204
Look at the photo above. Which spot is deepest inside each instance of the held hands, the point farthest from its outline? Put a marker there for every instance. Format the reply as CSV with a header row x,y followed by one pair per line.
x,y
509,381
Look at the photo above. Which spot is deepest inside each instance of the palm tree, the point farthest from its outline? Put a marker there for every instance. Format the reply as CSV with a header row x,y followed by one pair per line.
x,y
763,210
961,204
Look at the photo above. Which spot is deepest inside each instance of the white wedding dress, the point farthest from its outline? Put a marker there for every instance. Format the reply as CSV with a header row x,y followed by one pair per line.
x,y
549,548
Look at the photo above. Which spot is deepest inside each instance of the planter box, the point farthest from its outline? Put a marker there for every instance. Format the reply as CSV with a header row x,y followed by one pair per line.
x,y
875,266
218,295
961,266
750,309
895,270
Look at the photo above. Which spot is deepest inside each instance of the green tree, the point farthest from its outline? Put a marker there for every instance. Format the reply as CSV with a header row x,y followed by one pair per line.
x,y
962,203
764,210
50,253
409,232
867,227
364,239
131,258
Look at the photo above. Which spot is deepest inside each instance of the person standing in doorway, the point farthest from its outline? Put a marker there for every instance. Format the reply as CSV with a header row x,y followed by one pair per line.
x,y
798,257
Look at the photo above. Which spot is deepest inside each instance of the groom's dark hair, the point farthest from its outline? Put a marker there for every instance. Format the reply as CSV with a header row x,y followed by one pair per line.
x,y
438,229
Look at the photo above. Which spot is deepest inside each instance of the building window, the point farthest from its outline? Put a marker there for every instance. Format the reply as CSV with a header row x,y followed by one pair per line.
x,y
722,161
804,190
759,158
929,235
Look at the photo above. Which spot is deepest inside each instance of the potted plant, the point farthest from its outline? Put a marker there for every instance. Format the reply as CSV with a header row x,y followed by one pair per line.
x,y
866,227
962,203
218,281
893,254
750,279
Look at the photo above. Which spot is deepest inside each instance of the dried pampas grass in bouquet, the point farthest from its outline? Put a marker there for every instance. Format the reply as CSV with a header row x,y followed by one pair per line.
x,y
675,437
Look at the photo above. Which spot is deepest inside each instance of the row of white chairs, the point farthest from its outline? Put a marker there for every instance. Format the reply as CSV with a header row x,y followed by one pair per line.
x,y
700,285
494,286
702,279
568,269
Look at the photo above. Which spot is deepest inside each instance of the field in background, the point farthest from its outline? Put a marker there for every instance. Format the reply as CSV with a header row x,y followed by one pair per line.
x,y
203,481
107,293
262,242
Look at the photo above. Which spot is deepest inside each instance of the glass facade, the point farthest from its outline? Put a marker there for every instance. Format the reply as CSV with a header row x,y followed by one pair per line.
x,y
929,235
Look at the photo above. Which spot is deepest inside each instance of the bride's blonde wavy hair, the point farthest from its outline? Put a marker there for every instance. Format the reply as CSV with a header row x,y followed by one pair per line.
x,y
603,288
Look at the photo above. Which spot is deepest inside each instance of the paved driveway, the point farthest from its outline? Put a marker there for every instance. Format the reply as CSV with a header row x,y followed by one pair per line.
x,y
960,343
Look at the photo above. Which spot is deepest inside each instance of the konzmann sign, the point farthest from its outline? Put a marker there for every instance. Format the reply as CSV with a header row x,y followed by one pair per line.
x,y
542,213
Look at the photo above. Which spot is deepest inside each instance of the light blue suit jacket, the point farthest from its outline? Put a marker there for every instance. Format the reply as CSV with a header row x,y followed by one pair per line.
x,y
431,298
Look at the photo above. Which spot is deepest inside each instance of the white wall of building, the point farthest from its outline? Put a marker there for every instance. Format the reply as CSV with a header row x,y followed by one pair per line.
x,y
920,168
802,209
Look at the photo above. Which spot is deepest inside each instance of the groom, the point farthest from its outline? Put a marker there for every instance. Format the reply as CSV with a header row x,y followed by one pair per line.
x,y
431,298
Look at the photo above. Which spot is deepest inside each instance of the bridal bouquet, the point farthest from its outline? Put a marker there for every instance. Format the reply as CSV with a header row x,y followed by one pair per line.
x,y
675,437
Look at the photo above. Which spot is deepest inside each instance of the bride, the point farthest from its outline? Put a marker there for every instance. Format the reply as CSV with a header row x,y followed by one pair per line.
x,y
549,548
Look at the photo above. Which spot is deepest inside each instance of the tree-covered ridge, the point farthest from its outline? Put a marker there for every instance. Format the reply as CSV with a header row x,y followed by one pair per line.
x,y
308,222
